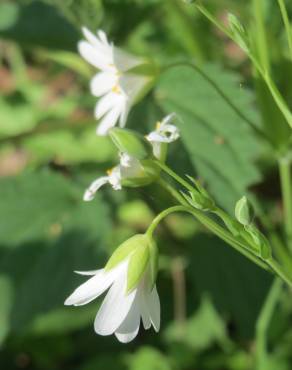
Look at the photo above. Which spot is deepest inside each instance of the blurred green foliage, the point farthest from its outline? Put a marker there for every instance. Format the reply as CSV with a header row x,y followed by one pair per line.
x,y
49,153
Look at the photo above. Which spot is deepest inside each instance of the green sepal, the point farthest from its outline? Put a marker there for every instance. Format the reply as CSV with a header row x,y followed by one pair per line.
x,y
138,264
260,241
131,142
153,262
124,250
232,225
242,211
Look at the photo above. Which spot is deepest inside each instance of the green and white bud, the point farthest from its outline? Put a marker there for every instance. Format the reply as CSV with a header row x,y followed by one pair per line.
x,y
242,211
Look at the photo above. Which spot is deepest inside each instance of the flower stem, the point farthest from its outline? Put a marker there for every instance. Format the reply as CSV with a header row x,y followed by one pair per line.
x,y
286,186
263,323
270,264
277,96
286,24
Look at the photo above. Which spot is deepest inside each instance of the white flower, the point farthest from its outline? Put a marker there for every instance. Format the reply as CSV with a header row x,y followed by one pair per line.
x,y
128,168
165,132
121,310
116,87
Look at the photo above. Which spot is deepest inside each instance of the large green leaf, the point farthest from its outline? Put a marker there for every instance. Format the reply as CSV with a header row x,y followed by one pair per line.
x,y
32,203
221,145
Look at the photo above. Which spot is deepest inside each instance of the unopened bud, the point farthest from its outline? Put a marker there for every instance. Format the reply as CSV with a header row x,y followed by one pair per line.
x,y
242,212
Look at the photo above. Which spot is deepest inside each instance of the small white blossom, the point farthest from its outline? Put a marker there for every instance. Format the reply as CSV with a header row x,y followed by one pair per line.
x,y
116,87
121,311
165,132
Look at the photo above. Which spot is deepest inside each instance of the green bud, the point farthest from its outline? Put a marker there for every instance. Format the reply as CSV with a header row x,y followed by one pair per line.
x,y
238,32
260,241
200,198
199,201
242,212
130,142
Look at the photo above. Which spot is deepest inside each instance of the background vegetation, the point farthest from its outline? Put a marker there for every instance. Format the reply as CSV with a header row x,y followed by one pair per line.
x,y
211,297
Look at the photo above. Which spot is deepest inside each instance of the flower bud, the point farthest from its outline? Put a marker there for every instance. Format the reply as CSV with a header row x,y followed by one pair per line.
x,y
130,142
242,212
200,198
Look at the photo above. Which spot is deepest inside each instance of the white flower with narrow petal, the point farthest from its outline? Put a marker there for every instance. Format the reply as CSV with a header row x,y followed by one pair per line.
x,y
114,84
131,297
165,132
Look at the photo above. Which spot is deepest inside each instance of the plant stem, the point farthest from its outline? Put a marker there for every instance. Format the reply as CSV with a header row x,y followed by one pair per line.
x,y
286,23
263,323
286,186
222,233
277,96
260,34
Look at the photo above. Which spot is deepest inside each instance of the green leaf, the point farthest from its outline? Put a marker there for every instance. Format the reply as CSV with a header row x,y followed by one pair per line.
x,y
32,203
220,143
205,321
147,358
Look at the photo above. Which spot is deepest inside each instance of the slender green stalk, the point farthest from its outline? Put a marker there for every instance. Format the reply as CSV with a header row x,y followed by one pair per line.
x,y
286,186
278,98
263,323
260,34
286,23
217,229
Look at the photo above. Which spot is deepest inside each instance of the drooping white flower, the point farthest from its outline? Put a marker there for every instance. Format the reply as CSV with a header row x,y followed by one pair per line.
x,y
114,84
123,308
165,132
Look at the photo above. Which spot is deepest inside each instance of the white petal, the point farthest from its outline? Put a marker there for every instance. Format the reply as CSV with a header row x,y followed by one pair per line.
x,y
153,304
168,118
110,119
87,273
106,103
94,56
97,184
115,306
125,61
100,43
115,178
92,288
145,312
103,83
132,85
129,328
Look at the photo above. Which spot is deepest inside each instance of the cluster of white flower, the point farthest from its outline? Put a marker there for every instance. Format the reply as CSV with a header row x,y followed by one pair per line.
x,y
117,86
